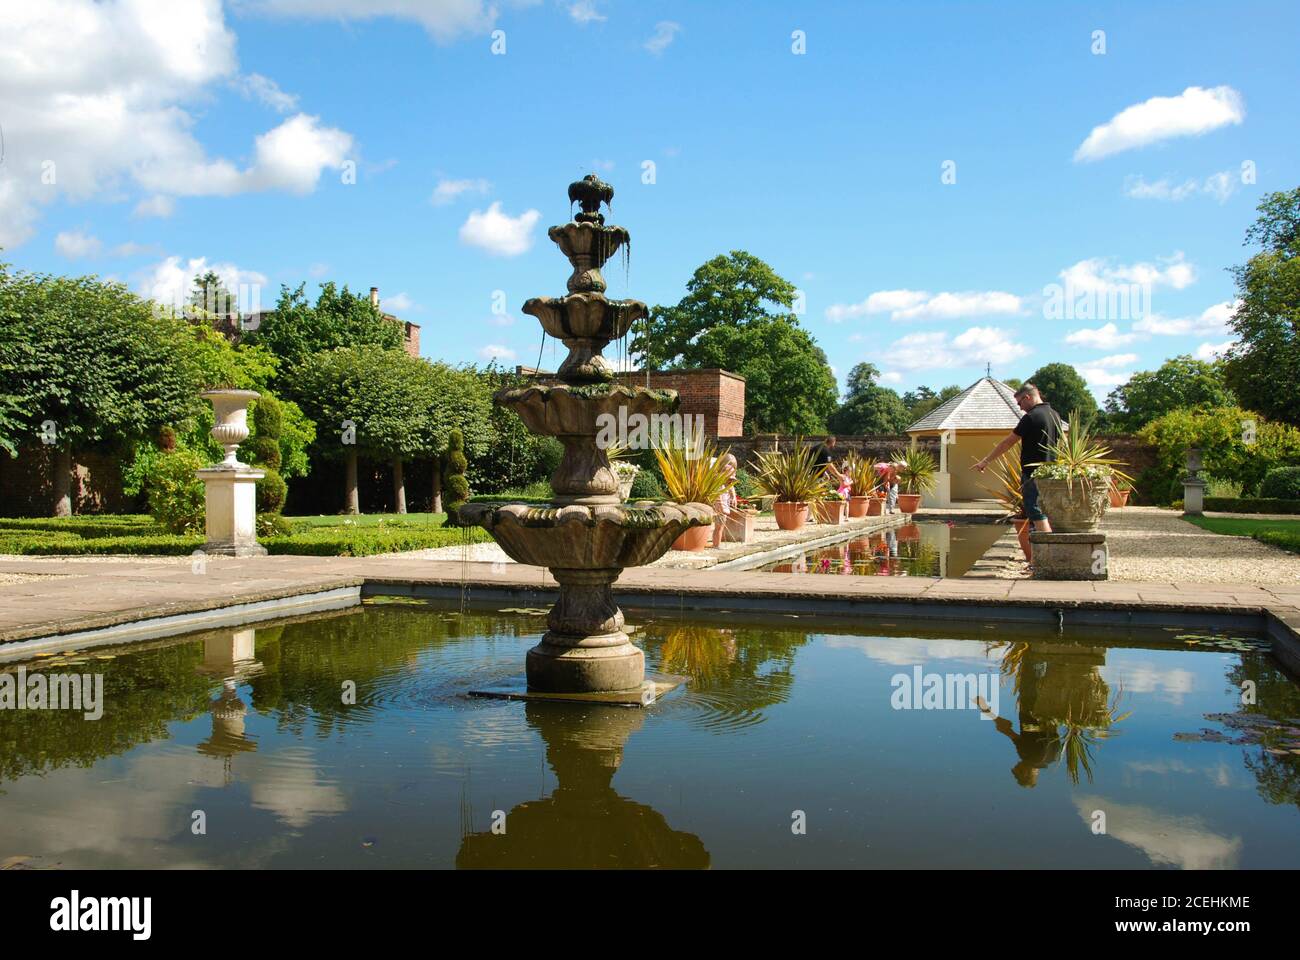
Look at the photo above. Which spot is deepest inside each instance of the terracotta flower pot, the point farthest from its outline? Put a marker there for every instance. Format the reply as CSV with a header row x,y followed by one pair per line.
x,y
876,507
1118,498
739,527
790,515
830,511
1073,508
694,538
909,502
858,506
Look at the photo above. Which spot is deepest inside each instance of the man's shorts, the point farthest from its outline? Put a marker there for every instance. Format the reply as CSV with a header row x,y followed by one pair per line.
x,y
1029,491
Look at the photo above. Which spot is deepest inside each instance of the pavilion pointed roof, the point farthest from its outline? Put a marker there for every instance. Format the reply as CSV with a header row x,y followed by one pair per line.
x,y
987,404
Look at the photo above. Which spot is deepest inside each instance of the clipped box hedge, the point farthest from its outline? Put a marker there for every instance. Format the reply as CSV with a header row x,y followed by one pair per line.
x,y
1251,505
140,536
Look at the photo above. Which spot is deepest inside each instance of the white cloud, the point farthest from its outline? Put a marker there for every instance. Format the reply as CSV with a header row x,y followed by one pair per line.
x,y
399,301
665,32
1098,275
1099,377
495,351
289,157
94,98
132,249
443,19
1106,337
1219,185
1211,321
74,244
1115,360
318,270
254,86
584,11
171,280
976,345
498,233
449,190
1193,112
891,376
1212,351
155,206
920,305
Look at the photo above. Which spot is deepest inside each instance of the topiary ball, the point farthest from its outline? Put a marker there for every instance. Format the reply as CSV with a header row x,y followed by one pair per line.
x,y
268,416
271,492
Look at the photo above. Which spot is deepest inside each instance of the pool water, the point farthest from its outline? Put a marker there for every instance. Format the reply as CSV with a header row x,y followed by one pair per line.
x,y
930,548
794,744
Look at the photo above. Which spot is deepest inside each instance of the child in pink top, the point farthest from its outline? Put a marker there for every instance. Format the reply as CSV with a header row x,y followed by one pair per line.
x,y
726,500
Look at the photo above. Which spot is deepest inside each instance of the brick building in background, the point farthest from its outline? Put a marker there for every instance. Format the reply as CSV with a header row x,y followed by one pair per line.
x,y
716,395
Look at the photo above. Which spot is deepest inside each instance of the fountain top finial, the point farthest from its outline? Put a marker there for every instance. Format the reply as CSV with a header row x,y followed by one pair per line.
x,y
590,192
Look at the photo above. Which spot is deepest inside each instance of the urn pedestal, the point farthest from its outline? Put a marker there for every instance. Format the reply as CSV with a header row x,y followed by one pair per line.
x,y
230,487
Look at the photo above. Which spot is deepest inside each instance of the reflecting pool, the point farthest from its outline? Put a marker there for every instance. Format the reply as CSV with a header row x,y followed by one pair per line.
x,y
929,548
348,740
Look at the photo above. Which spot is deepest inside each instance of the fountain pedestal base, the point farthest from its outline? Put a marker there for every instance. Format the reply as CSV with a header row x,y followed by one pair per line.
x,y
585,648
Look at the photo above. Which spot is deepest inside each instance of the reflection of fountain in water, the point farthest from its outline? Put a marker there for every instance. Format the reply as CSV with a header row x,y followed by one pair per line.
x,y
584,822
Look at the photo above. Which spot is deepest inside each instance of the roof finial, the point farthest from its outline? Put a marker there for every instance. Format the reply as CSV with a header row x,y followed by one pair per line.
x,y
988,370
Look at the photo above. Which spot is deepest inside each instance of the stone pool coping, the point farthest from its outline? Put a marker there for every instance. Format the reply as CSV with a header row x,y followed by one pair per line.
x,y
121,602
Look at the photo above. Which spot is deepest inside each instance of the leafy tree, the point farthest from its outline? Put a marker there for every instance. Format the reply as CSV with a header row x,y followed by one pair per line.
x,y
1235,444
386,405
738,314
1063,387
296,329
1180,382
869,407
1264,365
923,400
210,298
86,364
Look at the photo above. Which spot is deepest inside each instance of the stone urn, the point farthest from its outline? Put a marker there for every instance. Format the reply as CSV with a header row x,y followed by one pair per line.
x,y
1074,506
625,473
230,429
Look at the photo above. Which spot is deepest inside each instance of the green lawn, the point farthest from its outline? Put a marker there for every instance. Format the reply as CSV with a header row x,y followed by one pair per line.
x,y
328,536
1279,533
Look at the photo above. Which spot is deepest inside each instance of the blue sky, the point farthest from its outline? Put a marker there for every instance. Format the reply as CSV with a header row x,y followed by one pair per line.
x,y
191,133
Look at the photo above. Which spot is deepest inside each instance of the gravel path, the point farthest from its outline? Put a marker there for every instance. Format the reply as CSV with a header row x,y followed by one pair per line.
x,y
1150,544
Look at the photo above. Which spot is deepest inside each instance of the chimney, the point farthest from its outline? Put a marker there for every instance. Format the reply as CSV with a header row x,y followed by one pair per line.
x,y
374,297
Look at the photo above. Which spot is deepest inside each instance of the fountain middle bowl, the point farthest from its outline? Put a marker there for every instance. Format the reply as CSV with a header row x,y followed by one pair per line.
x,y
586,537
556,410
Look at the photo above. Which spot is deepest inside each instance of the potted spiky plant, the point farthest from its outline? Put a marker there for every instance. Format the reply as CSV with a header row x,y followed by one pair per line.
x,y
795,478
1119,492
692,474
862,473
1074,482
831,508
916,475
1007,489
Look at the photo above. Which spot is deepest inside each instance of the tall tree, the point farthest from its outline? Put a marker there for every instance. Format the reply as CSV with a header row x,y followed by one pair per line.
x,y
922,400
868,407
385,405
1180,382
1263,367
1063,387
739,314
87,365
296,329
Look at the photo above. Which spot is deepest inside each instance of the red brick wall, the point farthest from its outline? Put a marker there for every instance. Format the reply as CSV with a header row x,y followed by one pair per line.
x,y
717,395
411,339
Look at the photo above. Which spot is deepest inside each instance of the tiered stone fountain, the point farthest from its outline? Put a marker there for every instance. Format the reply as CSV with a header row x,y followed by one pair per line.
x,y
587,534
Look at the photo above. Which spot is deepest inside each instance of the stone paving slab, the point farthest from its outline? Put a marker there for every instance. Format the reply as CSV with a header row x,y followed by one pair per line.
x,y
96,597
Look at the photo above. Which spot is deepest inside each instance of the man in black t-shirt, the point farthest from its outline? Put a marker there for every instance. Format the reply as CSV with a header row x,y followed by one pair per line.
x,y
1036,431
